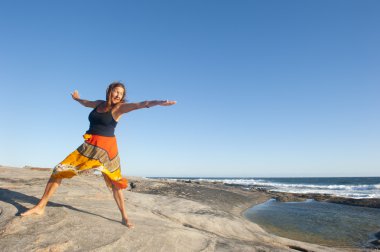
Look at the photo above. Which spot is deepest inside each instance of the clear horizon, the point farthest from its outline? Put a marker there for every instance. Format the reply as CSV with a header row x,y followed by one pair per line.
x,y
215,177
263,88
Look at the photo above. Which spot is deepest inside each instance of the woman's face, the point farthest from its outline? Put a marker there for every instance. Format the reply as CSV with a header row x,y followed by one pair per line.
x,y
117,94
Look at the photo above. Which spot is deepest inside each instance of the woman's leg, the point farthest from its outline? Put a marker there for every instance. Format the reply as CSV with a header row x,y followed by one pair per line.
x,y
51,187
119,198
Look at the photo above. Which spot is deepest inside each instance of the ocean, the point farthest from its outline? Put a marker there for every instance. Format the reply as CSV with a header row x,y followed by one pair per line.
x,y
349,187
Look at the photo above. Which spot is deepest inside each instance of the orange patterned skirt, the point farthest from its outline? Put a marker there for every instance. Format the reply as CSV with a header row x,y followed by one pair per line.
x,y
98,153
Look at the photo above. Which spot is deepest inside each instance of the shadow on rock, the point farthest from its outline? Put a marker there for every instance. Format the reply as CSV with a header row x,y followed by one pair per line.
x,y
13,197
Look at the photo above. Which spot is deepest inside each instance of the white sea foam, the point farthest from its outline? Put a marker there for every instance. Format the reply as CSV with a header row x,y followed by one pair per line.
x,y
349,191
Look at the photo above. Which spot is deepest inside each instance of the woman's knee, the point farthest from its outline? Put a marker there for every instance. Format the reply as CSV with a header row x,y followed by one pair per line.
x,y
58,181
106,178
116,189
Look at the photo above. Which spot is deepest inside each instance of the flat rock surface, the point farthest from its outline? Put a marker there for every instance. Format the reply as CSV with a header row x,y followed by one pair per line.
x,y
169,216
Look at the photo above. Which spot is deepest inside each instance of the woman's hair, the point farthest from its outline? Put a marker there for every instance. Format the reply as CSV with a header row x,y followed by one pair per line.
x,y
109,91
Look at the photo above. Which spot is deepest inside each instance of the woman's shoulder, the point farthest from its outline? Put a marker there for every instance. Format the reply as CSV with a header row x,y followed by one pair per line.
x,y
98,102
118,105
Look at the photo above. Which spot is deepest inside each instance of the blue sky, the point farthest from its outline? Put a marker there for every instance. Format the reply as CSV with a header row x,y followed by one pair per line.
x,y
264,88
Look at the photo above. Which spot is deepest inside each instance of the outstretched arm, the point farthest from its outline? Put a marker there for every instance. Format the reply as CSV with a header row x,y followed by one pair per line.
x,y
127,107
86,103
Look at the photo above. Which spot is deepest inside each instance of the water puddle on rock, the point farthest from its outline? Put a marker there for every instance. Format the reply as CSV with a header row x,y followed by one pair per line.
x,y
318,222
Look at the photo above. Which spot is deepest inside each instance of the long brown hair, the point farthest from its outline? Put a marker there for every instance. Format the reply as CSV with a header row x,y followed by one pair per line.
x,y
111,86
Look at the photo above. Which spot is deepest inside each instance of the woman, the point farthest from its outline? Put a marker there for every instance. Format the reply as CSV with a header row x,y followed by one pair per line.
x,y
99,151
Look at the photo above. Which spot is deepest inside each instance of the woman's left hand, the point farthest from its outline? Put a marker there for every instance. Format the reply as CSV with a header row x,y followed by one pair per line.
x,y
167,103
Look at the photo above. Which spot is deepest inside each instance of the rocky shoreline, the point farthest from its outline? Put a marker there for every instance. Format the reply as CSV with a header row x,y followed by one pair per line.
x,y
267,193
169,216
297,197
286,197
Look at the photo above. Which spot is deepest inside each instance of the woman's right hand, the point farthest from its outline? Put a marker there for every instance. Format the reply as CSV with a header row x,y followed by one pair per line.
x,y
75,95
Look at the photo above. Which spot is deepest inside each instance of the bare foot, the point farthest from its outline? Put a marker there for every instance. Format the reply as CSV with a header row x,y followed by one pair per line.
x,y
127,223
35,210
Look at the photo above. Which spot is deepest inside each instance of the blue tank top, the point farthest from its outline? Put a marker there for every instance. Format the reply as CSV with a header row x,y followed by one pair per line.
x,y
101,123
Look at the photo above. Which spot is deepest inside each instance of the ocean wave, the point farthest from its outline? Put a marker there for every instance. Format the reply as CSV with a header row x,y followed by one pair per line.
x,y
260,182
348,191
322,187
353,190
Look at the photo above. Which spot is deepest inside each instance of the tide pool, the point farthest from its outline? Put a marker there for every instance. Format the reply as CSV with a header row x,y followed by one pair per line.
x,y
318,222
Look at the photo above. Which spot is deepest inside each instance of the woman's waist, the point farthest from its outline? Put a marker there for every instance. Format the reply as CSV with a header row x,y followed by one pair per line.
x,y
105,132
96,137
